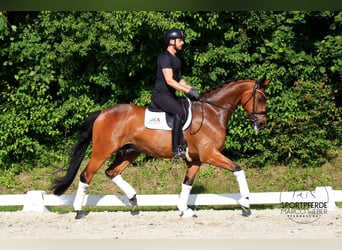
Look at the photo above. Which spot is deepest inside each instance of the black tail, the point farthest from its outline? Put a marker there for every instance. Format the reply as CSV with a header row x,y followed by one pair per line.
x,y
79,150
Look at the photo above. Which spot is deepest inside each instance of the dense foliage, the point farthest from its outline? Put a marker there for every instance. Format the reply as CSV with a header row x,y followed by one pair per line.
x,y
56,67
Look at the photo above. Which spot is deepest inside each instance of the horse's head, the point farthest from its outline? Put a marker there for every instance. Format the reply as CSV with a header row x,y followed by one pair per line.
x,y
254,103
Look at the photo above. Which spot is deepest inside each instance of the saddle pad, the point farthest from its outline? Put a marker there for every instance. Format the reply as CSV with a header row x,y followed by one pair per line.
x,y
157,120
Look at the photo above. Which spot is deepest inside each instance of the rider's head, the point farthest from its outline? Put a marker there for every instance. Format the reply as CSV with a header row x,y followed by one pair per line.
x,y
172,35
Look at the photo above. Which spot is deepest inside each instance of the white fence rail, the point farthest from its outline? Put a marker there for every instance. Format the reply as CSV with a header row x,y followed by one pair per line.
x,y
39,200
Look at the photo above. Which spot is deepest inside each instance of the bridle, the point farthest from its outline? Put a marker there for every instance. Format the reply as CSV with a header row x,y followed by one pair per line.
x,y
252,116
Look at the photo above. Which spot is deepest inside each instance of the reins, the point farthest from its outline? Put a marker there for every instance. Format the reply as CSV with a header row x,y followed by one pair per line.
x,y
217,105
202,112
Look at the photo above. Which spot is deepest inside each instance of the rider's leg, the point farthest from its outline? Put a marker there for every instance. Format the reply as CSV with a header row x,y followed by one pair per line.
x,y
178,150
169,104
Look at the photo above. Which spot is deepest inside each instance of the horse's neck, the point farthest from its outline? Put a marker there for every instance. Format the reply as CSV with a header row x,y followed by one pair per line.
x,y
228,96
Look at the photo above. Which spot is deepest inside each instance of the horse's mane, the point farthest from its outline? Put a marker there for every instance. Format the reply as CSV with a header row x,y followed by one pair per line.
x,y
220,85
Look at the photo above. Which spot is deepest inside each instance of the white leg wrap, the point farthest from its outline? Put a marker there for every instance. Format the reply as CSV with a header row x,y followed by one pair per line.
x,y
124,186
184,197
241,180
80,194
244,191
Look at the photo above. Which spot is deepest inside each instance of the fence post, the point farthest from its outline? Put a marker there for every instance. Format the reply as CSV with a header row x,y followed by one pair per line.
x,y
34,201
332,199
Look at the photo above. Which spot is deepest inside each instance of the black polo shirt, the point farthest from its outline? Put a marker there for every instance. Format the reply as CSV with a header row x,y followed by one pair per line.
x,y
166,60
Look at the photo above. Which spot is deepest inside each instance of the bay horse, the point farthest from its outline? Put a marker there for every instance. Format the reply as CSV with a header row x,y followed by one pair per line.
x,y
120,129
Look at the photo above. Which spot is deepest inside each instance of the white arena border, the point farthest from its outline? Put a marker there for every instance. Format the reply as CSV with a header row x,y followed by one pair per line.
x,y
38,200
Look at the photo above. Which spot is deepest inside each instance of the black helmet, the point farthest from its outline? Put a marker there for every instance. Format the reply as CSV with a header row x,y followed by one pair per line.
x,y
173,34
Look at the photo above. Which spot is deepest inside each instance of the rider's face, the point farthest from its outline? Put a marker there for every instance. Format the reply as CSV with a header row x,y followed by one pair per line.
x,y
179,43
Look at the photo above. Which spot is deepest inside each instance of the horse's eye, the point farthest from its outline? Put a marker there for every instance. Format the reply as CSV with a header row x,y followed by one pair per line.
x,y
261,100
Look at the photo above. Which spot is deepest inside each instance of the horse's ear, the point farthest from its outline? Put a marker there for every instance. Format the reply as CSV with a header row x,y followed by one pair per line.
x,y
263,78
266,82
263,81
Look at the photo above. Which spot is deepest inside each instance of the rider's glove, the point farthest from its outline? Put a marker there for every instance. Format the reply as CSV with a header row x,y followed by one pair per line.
x,y
194,93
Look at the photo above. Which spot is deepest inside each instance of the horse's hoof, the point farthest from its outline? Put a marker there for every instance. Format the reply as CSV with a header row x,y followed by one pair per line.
x,y
246,212
134,212
188,213
80,214
245,204
133,202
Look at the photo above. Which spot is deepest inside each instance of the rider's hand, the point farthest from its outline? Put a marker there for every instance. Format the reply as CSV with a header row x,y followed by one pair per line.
x,y
194,93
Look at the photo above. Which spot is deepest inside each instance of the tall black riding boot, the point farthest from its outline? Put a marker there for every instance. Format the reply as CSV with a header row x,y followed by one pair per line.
x,y
178,148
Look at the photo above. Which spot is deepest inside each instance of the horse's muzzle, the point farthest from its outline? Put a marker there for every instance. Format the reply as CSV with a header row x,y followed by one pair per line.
x,y
257,123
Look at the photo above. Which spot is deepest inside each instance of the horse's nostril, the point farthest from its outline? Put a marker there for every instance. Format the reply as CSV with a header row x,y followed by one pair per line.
x,y
259,125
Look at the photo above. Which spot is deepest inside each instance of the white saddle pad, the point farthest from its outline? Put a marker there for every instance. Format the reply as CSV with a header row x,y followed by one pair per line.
x,y
157,120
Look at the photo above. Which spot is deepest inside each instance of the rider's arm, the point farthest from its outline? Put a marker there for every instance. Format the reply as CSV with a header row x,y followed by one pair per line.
x,y
181,85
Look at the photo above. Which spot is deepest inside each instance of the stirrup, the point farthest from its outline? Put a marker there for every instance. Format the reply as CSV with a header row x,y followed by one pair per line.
x,y
179,154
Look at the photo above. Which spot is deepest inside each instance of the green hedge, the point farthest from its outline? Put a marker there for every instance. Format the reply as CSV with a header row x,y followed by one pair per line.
x,y
57,67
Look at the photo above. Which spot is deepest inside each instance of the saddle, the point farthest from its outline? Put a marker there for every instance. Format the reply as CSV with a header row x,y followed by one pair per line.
x,y
155,118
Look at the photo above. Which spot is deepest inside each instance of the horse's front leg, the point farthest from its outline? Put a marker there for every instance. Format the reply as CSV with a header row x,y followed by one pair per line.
x,y
219,160
190,175
244,191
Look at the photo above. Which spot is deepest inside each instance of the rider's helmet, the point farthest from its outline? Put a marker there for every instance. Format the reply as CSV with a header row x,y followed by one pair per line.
x,y
173,34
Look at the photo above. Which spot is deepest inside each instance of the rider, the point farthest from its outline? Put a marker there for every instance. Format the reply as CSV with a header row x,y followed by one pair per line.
x,y
168,81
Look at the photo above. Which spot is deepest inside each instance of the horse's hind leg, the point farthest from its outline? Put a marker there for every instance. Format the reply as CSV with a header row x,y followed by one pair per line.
x,y
86,177
123,158
101,152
